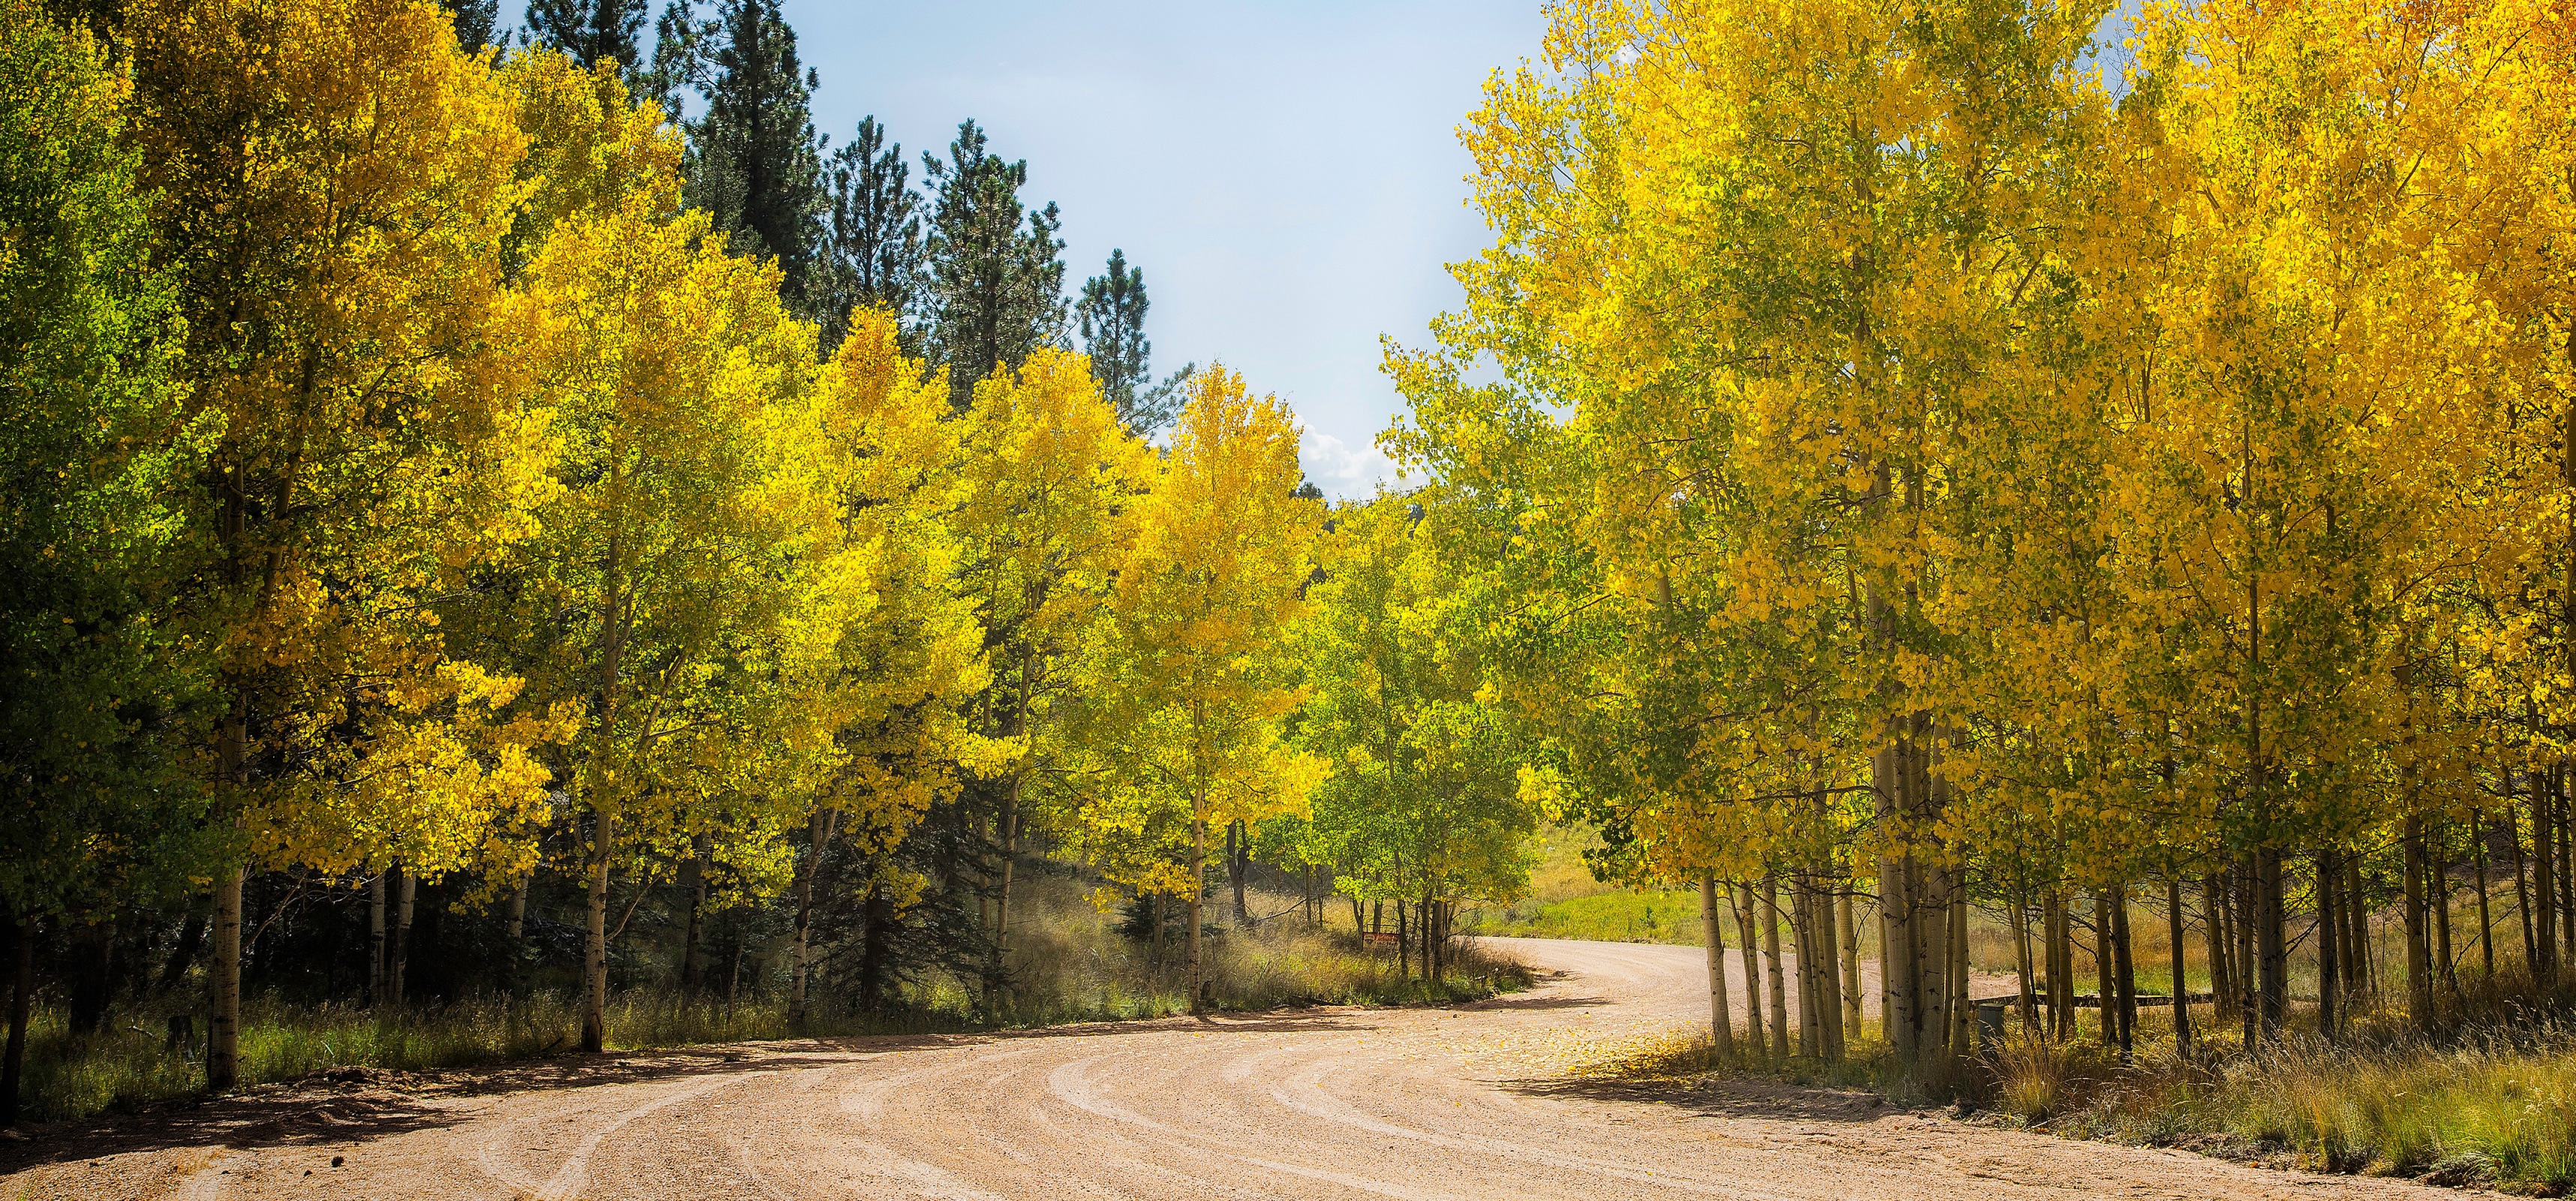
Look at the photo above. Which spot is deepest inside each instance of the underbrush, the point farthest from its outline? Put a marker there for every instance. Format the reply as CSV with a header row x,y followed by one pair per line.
x,y
2487,1098
2497,1108
1682,1056
76,1075
1066,969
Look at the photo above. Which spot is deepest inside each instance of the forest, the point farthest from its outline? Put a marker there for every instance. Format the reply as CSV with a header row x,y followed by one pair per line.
x,y
1897,468
468,497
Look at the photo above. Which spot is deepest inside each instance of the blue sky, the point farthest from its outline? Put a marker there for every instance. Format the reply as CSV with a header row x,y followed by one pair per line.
x,y
1287,175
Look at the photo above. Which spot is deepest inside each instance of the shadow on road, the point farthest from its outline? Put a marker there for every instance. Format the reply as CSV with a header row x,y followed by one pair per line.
x,y
1715,1098
359,1105
1533,1002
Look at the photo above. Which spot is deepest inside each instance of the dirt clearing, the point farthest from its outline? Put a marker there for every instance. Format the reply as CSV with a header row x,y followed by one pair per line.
x,y
1419,1104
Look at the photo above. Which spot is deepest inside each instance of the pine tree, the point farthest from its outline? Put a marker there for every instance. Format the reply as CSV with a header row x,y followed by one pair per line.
x,y
475,22
872,255
755,163
588,30
995,283
1111,315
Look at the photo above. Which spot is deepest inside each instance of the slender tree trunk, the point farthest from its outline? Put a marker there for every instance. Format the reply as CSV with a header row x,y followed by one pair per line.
x,y
2419,959
2061,968
1829,970
2125,973
2444,970
2544,887
1829,976
2486,916
1850,930
1197,977
1721,1024
398,973
1238,857
2329,925
376,994
594,965
2521,883
1743,898
22,991
223,1023
805,916
1887,1023
741,947
2274,943
603,829
2213,904
1811,1035
2181,981
1010,866
1430,912
1403,942
2028,977
223,1026
1896,962
2566,864
1820,994
693,885
1962,1015
818,832
2249,1000
2106,982
2359,970
1771,956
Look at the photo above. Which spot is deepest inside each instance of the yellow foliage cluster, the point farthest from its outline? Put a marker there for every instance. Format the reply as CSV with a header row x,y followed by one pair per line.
x,y
532,524
1918,451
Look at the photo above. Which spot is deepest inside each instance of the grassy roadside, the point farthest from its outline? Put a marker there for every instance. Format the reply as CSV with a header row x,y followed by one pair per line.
x,y
1070,966
2489,1101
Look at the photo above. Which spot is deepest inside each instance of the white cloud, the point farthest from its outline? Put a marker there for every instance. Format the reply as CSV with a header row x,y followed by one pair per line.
x,y
1344,471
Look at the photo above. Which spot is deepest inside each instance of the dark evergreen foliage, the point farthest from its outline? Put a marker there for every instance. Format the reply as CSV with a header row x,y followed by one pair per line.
x,y
873,248
587,30
892,918
1111,315
994,285
475,22
755,162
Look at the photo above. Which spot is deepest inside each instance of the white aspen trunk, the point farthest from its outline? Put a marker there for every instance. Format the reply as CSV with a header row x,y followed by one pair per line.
x,y
1771,957
1743,899
1721,1024
1198,889
594,967
1850,931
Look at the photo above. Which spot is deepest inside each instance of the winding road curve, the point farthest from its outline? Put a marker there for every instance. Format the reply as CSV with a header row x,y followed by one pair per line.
x,y
1416,1104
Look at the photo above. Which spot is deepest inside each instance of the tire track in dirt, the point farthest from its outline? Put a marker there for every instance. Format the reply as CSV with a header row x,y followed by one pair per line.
x,y
1455,1104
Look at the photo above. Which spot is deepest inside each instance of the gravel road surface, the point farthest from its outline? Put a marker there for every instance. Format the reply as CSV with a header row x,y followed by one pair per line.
x,y
1418,1104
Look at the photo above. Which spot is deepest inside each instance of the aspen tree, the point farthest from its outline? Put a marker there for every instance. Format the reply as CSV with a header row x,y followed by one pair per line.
x,y
1195,674
1045,474
333,183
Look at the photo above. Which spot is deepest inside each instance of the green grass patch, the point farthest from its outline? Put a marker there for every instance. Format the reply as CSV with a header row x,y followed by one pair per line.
x,y
1624,916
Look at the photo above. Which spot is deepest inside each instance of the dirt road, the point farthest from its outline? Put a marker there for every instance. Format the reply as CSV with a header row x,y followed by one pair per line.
x,y
1428,1104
